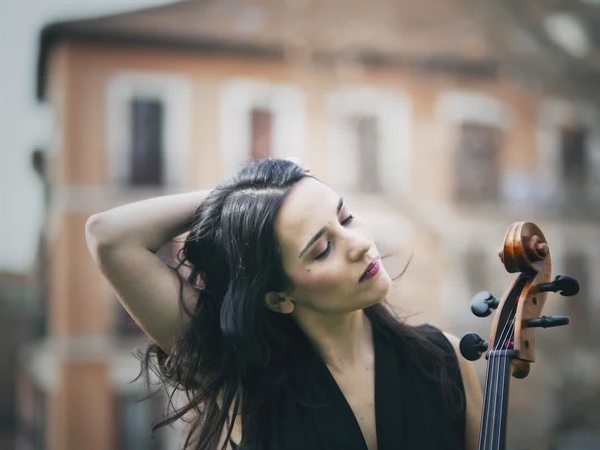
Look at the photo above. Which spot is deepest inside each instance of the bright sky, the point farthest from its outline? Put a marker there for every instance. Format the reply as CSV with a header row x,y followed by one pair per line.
x,y
26,124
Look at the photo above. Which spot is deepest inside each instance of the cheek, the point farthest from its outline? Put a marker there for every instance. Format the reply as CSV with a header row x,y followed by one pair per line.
x,y
312,280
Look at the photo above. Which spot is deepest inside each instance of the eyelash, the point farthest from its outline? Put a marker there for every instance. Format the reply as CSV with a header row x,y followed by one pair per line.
x,y
347,221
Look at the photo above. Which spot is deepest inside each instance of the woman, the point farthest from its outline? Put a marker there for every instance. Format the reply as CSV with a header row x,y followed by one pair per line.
x,y
281,338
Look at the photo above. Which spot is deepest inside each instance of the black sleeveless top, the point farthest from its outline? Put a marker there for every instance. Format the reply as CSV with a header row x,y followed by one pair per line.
x,y
410,410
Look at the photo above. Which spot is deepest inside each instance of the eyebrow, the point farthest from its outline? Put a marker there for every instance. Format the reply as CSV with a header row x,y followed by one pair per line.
x,y
321,232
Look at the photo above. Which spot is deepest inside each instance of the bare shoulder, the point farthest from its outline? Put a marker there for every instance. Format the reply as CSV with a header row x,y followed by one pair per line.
x,y
462,362
467,370
473,395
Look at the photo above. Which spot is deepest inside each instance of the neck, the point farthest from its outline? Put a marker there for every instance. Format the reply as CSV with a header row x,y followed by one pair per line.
x,y
342,340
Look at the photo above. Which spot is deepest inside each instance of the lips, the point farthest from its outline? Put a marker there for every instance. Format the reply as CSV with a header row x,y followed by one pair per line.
x,y
371,270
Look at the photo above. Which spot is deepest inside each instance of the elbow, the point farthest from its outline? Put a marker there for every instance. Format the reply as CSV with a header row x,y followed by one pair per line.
x,y
96,235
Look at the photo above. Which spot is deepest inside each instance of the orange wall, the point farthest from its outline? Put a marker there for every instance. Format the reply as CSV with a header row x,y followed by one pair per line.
x,y
78,301
81,414
89,67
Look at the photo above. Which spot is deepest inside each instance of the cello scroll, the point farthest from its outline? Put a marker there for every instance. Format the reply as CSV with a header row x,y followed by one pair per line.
x,y
511,344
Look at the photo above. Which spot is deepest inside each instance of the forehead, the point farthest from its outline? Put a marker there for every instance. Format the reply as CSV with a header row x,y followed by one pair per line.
x,y
307,209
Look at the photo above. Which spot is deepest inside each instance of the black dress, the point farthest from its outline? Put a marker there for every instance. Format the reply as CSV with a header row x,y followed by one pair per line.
x,y
410,411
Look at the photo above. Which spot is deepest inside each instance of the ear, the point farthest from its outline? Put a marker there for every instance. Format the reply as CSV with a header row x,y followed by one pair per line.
x,y
279,302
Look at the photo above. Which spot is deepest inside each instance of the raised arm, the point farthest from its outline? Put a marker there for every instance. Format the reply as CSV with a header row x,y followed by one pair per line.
x,y
123,242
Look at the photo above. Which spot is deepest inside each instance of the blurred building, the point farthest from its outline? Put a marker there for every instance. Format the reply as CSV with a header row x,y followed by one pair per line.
x,y
432,126
18,320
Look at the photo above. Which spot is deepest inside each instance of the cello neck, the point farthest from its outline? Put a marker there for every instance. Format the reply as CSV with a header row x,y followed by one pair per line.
x,y
492,432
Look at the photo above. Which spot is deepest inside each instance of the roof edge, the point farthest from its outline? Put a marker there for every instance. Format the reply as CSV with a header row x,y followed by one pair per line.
x,y
56,33
53,34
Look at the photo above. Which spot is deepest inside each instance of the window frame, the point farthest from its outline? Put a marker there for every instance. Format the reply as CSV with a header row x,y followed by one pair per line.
x,y
458,108
285,101
554,115
392,111
174,92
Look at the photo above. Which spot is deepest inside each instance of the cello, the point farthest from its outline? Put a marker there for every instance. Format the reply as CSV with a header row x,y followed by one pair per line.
x,y
510,348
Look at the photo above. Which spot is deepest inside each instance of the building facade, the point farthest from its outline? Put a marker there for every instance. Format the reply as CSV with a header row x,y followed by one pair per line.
x,y
438,150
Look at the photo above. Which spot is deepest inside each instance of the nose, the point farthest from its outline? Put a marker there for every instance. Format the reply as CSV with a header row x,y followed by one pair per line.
x,y
358,245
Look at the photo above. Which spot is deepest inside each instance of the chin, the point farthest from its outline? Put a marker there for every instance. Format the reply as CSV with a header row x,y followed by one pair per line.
x,y
374,303
385,285
379,298
378,292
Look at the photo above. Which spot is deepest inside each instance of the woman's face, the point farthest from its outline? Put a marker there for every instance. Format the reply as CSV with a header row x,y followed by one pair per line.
x,y
327,252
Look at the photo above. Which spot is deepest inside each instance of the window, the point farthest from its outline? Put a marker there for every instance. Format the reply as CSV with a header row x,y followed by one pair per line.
x,y
148,129
146,163
261,120
476,164
366,141
478,121
476,271
574,174
32,409
569,155
369,140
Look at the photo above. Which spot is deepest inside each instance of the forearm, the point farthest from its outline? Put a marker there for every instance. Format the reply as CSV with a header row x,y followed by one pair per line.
x,y
147,223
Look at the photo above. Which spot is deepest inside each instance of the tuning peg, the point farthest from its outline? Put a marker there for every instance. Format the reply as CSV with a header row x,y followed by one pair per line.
x,y
472,346
483,303
567,286
548,322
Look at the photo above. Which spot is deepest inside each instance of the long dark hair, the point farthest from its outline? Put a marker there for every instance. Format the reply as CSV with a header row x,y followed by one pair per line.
x,y
234,350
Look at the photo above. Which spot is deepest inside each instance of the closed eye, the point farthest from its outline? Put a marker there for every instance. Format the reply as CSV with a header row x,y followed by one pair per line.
x,y
325,252
347,221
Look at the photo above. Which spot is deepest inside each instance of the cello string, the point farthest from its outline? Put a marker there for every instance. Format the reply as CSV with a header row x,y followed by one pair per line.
x,y
483,429
504,375
506,360
497,381
505,343
491,395
500,371
499,376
